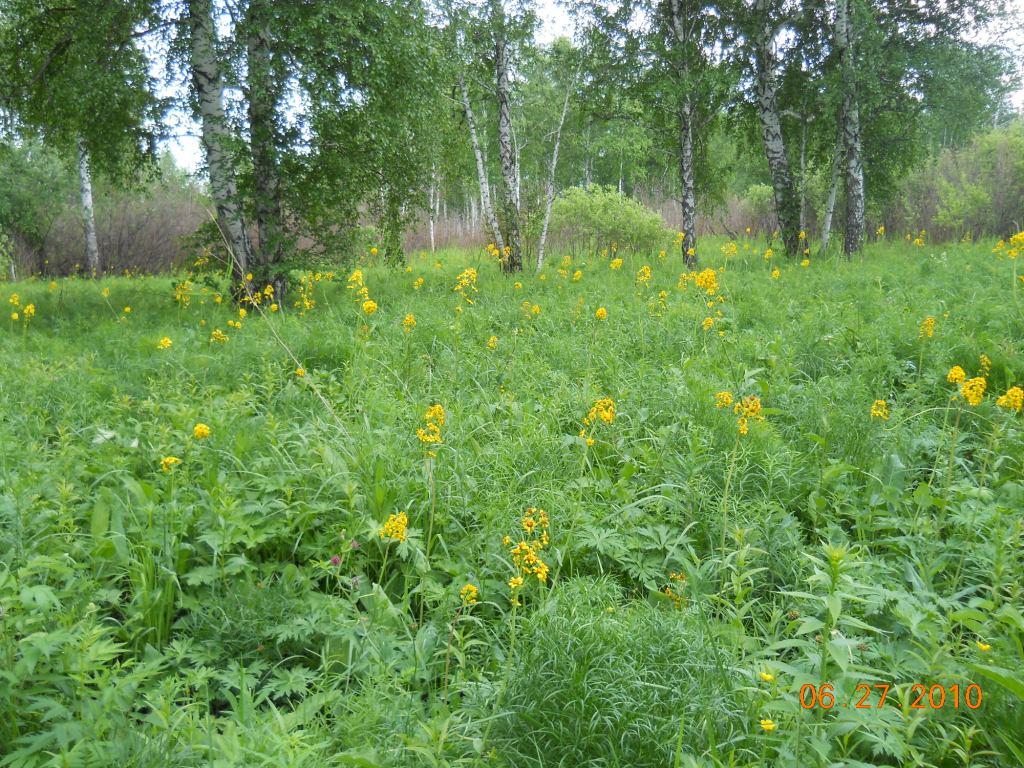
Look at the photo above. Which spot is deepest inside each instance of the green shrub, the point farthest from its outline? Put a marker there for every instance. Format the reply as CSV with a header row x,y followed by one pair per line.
x,y
599,218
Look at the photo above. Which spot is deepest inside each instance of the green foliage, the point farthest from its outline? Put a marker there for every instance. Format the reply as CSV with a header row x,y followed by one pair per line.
x,y
242,608
596,217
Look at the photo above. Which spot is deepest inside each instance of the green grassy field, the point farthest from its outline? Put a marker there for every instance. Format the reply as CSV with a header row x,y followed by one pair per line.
x,y
254,597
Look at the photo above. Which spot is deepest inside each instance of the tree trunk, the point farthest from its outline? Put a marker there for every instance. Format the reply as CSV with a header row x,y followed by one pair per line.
x,y
830,203
481,169
803,170
549,196
264,97
786,203
432,205
92,248
206,79
506,153
688,197
850,123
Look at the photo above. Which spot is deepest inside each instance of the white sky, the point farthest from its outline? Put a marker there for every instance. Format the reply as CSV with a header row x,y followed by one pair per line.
x,y
555,22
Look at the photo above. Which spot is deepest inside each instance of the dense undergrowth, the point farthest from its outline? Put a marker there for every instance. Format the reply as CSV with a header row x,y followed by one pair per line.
x,y
254,596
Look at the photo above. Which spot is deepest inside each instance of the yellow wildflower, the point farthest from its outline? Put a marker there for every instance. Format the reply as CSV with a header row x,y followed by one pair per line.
x,y
394,527
927,328
973,390
601,313
468,594
1012,400
167,463
880,409
201,431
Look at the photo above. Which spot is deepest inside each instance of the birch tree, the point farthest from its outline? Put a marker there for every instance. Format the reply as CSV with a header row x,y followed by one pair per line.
x,y
208,89
667,53
513,256
76,75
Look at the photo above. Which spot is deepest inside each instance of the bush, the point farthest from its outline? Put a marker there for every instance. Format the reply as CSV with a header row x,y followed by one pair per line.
x,y
596,217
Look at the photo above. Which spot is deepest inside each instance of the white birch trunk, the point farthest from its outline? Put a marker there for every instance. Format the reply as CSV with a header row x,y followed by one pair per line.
x,y
688,199
206,79
833,190
432,205
92,248
771,132
854,236
481,168
506,153
549,196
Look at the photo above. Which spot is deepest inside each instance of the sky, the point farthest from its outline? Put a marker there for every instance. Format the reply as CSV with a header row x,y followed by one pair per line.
x,y
555,22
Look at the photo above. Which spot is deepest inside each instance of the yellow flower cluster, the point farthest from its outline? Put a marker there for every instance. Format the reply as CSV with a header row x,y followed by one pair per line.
x,y
219,336
468,594
776,274
615,264
255,298
746,408
973,390
430,433
201,431
182,293
394,527
708,323
643,276
492,342
417,283
956,375
927,328
603,410
465,283
409,322
165,343
1013,400
601,313
167,463
675,595
730,249
880,410
706,280
530,309
526,552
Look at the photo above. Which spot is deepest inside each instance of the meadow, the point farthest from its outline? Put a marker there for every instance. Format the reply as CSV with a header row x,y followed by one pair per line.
x,y
764,514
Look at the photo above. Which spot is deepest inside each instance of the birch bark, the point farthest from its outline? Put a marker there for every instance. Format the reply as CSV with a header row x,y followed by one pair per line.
x,y
786,203
549,191
688,190
854,167
506,152
206,79
264,96
481,169
92,248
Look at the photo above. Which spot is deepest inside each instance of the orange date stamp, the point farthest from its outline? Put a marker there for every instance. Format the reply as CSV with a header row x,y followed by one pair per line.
x,y
873,696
